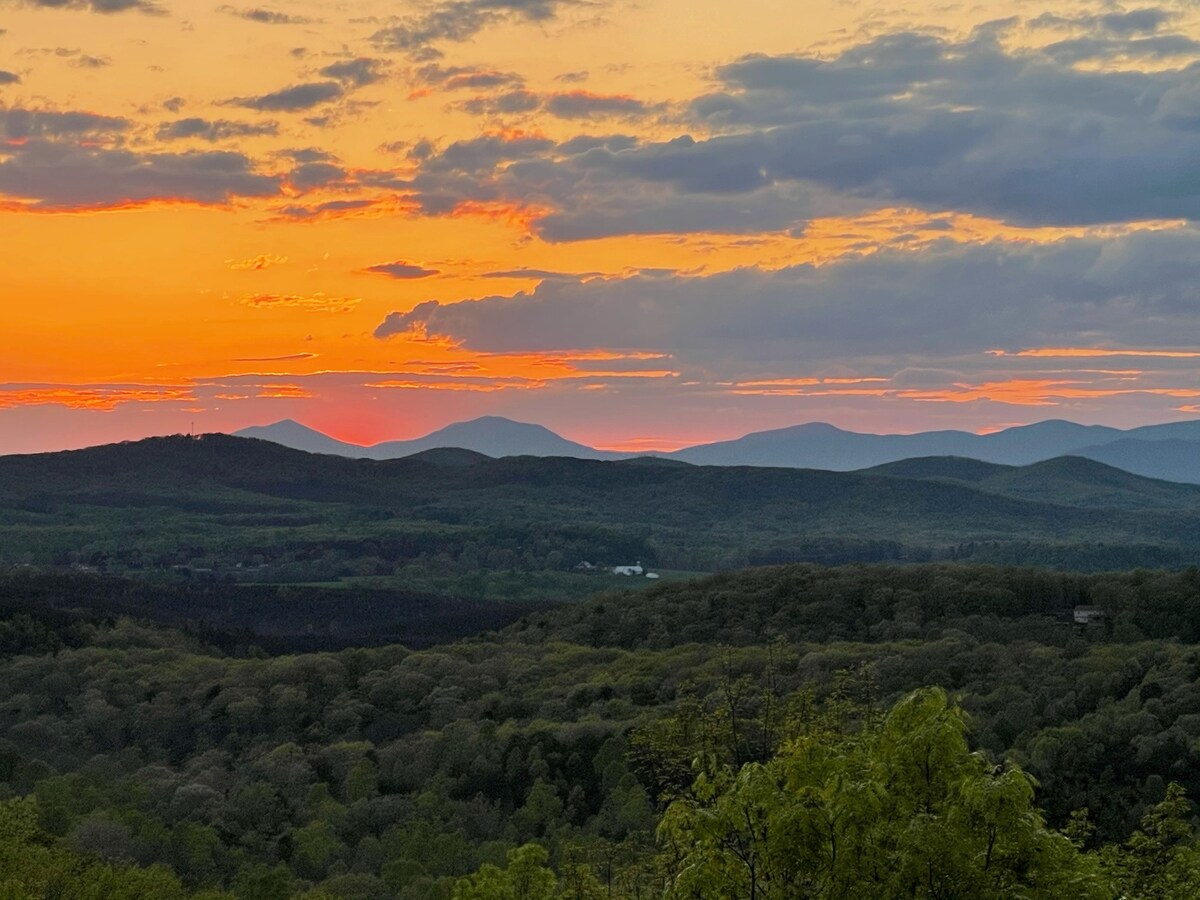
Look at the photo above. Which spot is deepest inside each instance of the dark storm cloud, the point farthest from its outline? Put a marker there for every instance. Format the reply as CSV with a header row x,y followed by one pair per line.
x,y
213,130
1140,289
9,77
295,98
907,119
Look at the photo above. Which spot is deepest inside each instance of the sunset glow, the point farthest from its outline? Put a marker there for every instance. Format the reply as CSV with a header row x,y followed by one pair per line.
x,y
643,225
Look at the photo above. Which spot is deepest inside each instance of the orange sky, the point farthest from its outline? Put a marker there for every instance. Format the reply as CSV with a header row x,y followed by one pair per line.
x,y
209,214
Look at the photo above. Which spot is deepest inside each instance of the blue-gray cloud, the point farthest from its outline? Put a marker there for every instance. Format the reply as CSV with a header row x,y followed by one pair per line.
x,y
58,175
308,176
1123,23
907,119
949,301
295,98
266,16
358,72
213,130
454,78
585,105
402,270
96,6
459,20
18,123
68,160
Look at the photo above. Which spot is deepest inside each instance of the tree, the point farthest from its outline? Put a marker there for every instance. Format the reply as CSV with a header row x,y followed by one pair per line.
x,y
525,878
1160,860
896,809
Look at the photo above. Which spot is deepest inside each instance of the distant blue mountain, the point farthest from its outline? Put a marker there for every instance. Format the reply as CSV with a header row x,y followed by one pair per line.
x,y
1171,459
492,436
1169,451
822,446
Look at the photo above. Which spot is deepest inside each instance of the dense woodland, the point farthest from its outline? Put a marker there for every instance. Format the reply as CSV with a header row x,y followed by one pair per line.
x,y
614,747
230,670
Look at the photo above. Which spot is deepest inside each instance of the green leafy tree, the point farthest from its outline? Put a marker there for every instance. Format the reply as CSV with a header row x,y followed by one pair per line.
x,y
525,878
1161,860
896,809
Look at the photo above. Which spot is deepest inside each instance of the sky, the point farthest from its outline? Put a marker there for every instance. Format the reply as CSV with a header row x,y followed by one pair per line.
x,y
642,223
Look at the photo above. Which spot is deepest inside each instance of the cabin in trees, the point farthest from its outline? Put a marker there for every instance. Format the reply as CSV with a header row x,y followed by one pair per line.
x,y
1089,615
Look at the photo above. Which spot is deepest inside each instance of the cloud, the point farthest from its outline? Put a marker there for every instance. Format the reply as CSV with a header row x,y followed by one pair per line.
x,y
69,160
541,274
328,209
563,105
309,176
17,124
59,176
358,72
291,357
9,77
403,270
585,104
266,16
100,397
453,78
213,130
1084,49
905,120
459,20
949,302
96,6
318,302
295,98
256,263
508,103
84,61
1124,24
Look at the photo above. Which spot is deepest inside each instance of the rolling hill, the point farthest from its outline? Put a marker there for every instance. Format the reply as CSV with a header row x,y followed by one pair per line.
x,y
252,510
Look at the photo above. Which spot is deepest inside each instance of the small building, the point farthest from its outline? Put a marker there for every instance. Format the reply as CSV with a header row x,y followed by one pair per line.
x,y
629,570
584,566
1088,615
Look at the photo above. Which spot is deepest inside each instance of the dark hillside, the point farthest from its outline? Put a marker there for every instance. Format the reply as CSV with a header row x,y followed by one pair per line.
x,y
246,509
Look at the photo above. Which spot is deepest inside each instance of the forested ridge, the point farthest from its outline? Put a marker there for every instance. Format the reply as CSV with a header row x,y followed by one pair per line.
x,y
614,747
219,508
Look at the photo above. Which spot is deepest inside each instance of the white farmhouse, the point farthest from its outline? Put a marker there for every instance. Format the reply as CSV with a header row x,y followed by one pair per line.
x,y
629,570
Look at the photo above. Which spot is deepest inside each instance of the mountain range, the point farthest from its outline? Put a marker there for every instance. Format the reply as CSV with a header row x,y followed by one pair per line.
x,y
1169,451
